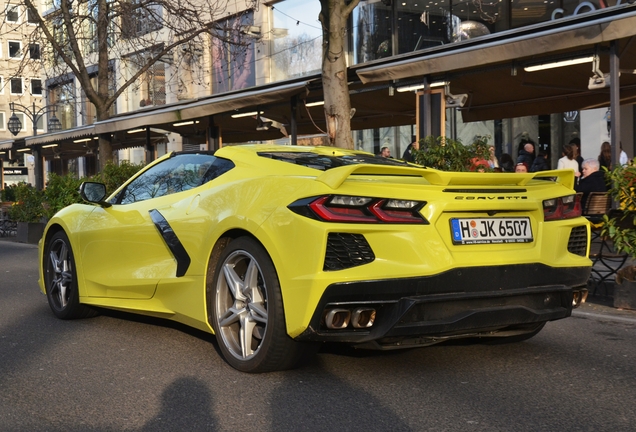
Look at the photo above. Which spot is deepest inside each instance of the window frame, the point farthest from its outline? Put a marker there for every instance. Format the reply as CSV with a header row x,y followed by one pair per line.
x,y
31,49
31,81
154,182
21,86
12,7
20,54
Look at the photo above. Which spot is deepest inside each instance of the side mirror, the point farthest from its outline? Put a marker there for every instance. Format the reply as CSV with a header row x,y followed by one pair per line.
x,y
94,193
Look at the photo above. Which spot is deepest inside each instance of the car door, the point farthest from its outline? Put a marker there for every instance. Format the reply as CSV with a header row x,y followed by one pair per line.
x,y
125,250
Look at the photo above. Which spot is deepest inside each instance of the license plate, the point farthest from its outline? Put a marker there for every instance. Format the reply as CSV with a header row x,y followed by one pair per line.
x,y
491,230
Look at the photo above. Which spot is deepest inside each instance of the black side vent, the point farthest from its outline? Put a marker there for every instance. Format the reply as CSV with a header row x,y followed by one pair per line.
x,y
578,240
346,251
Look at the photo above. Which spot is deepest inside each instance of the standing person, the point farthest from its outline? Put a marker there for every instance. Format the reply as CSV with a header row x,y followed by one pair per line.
x,y
568,161
576,142
492,161
623,159
409,153
592,180
605,157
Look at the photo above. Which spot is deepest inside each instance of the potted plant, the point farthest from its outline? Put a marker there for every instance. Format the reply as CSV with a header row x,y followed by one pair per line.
x,y
620,227
446,154
29,212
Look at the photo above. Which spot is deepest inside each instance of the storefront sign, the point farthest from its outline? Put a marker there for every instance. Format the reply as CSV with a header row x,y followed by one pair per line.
x,y
583,7
15,171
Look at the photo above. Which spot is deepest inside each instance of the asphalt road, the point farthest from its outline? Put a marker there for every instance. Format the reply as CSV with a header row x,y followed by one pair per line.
x,y
118,373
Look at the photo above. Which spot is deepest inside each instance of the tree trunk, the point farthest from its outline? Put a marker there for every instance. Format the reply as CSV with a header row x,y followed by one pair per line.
x,y
338,112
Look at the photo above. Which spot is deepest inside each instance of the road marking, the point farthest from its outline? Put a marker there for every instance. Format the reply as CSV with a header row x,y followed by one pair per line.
x,y
603,317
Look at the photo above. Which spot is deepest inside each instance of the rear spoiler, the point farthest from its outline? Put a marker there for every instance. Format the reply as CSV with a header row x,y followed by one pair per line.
x,y
335,177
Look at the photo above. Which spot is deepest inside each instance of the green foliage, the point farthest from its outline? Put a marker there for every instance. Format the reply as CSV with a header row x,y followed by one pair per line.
x,y
451,155
61,191
621,227
32,205
114,175
8,194
28,205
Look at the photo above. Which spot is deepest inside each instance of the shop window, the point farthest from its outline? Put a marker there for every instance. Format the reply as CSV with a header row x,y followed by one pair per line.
x,y
372,31
296,47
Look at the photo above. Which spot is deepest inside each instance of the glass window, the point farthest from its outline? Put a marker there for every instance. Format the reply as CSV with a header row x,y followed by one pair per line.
x,y
422,24
22,119
179,173
296,47
16,86
15,49
36,87
1,85
31,17
13,14
3,122
139,20
63,96
233,63
372,31
34,51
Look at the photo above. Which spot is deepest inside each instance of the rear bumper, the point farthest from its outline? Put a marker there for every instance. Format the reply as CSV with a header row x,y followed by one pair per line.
x,y
472,301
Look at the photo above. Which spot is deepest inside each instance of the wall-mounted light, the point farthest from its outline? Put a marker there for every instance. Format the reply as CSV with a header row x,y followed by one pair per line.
x,y
49,146
82,140
26,149
416,87
313,104
247,114
557,64
132,131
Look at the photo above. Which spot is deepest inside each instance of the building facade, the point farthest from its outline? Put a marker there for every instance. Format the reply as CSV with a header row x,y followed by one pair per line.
x,y
265,66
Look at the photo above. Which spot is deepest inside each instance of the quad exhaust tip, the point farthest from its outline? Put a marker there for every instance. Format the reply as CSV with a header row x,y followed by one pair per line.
x,y
341,318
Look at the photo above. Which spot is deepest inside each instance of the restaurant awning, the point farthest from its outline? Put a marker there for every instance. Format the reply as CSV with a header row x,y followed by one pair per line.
x,y
491,69
6,145
69,134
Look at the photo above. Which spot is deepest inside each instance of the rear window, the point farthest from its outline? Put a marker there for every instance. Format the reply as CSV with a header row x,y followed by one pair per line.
x,y
325,162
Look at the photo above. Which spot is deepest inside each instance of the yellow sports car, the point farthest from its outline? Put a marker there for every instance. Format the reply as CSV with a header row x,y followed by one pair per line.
x,y
276,249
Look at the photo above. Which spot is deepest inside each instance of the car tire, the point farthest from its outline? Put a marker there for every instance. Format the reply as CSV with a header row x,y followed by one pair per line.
x,y
532,331
60,280
247,312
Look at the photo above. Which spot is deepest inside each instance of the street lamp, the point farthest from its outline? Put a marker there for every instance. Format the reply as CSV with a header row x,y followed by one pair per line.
x,y
15,126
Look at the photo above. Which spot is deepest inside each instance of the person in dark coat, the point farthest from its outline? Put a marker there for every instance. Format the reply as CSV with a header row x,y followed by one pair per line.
x,y
526,154
592,180
409,153
540,163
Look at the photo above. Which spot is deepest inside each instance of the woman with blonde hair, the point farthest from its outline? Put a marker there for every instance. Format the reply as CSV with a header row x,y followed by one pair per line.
x,y
568,161
605,158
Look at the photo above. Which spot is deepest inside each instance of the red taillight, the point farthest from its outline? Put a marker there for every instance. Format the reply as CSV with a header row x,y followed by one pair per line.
x,y
339,208
566,207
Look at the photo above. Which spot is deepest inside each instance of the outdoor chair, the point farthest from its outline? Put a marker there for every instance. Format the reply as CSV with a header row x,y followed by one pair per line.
x,y
606,261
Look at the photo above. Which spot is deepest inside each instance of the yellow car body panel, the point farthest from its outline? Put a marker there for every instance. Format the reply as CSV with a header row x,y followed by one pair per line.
x,y
123,263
